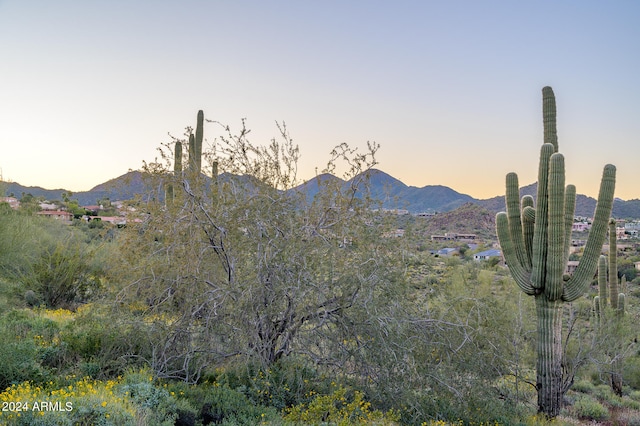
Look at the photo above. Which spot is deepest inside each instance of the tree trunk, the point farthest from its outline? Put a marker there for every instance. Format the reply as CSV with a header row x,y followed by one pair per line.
x,y
616,379
549,366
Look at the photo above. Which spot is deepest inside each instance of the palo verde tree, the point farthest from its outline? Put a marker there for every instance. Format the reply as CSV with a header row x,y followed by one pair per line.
x,y
535,242
241,263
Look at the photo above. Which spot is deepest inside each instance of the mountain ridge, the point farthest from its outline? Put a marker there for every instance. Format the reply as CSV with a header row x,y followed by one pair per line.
x,y
391,192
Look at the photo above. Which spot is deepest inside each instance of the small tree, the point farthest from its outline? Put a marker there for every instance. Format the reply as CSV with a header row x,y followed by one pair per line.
x,y
241,263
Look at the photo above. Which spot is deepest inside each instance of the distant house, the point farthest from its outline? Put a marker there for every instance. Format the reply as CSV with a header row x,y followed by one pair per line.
x,y
451,236
572,265
396,233
49,206
13,202
57,214
446,252
487,254
115,220
580,226
426,214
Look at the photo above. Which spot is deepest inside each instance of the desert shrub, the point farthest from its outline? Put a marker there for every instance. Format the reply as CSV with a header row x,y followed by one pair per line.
x,y
62,275
341,407
288,382
80,402
589,408
583,386
631,372
24,342
219,404
104,346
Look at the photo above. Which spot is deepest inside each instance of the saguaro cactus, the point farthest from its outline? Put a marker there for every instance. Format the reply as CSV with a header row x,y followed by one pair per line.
x,y
195,146
177,172
535,243
610,293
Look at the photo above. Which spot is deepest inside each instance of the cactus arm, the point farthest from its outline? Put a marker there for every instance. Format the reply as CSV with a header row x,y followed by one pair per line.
x,y
613,263
621,302
192,153
569,211
555,255
519,273
177,158
512,199
602,280
577,284
528,225
198,141
549,117
542,210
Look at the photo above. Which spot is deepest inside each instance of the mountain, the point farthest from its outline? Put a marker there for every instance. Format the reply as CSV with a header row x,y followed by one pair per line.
x,y
470,218
391,192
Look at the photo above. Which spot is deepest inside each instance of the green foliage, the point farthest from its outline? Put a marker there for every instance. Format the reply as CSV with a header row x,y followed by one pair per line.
x,y
341,408
588,408
261,273
24,351
62,276
218,403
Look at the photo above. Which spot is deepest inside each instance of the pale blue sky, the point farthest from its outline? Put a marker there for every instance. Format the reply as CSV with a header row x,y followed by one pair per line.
x,y
451,90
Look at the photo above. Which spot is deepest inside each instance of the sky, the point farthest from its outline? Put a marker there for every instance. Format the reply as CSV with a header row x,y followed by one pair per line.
x,y
451,90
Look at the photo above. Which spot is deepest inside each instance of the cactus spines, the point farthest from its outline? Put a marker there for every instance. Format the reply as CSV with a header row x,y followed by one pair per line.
x,y
535,243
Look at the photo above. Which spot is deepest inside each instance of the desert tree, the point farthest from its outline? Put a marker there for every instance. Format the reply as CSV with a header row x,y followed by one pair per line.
x,y
242,263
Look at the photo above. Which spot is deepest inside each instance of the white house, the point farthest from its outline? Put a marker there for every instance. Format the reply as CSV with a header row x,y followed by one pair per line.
x,y
487,254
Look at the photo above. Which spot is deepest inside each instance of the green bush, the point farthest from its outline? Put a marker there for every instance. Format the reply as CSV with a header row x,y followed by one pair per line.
x,y
589,408
62,275
24,343
341,407
583,386
286,383
219,404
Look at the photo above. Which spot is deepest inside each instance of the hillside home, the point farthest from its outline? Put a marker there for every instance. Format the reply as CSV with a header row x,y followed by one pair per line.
x,y
13,202
452,236
487,254
396,233
446,252
115,220
580,226
57,214
48,206
632,226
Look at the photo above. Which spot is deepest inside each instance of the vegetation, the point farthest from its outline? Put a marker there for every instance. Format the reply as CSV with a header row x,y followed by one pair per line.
x,y
231,298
